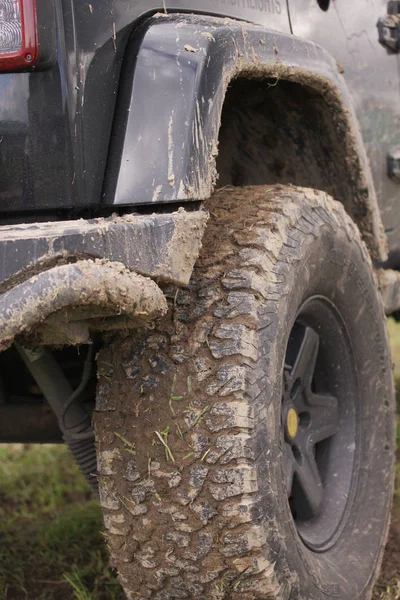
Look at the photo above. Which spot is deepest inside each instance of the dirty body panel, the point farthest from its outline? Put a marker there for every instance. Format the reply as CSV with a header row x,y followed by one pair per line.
x,y
55,124
371,73
75,98
167,139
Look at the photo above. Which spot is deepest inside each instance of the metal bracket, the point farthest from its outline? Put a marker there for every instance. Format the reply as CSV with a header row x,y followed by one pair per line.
x,y
389,28
393,162
85,291
389,287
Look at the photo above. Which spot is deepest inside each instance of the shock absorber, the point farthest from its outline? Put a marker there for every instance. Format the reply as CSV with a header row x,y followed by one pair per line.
x,y
74,421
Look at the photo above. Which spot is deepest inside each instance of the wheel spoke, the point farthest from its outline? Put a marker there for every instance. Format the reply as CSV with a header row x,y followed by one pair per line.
x,y
304,366
289,466
324,414
309,480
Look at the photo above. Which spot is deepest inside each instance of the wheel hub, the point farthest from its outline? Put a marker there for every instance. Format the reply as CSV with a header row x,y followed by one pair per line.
x,y
291,424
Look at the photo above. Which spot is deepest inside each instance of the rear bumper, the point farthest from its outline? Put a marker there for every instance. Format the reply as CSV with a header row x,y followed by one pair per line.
x,y
163,246
59,281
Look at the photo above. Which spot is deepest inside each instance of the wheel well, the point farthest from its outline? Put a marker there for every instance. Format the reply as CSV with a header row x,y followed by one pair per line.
x,y
276,131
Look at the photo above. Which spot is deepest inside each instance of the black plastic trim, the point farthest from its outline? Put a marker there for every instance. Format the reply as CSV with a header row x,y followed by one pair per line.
x,y
174,79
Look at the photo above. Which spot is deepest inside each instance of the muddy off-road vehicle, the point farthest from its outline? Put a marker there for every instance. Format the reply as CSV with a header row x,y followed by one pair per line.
x,y
199,239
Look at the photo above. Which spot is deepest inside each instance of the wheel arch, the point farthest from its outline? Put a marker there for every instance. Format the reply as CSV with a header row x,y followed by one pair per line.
x,y
189,74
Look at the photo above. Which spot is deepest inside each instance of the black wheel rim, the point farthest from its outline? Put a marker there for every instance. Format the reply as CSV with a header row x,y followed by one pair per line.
x,y
319,424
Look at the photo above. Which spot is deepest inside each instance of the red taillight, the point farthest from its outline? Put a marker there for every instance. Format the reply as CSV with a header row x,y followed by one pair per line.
x,y
18,34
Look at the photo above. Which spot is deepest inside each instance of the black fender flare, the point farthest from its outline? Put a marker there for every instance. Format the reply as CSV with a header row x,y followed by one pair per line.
x,y
174,80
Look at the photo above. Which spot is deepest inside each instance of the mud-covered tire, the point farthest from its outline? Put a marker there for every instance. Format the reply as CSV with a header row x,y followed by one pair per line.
x,y
188,417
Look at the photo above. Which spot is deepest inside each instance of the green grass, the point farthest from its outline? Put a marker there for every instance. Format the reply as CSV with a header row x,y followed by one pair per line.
x,y
394,334
392,592
51,545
